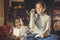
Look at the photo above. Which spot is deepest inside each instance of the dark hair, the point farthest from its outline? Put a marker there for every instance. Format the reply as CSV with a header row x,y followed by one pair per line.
x,y
17,17
42,3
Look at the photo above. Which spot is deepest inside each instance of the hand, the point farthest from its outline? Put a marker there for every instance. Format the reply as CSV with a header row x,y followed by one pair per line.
x,y
32,11
39,35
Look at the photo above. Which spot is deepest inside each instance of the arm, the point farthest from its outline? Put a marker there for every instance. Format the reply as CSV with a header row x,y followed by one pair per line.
x,y
48,24
31,21
47,29
31,24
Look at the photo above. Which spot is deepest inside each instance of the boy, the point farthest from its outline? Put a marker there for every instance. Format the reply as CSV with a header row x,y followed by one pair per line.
x,y
39,22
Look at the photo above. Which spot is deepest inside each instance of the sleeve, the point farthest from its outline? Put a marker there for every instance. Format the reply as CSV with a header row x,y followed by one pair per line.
x,y
31,23
27,30
48,25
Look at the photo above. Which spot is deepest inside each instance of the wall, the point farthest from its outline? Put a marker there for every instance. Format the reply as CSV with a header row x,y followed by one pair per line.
x,y
1,12
15,1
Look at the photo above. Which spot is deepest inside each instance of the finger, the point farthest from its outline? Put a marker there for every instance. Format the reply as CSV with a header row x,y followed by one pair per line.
x,y
32,11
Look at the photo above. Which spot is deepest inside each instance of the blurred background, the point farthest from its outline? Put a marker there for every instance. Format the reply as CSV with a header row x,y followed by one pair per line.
x,y
9,9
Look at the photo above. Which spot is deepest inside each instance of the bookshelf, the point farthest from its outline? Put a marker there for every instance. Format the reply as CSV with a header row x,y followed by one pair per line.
x,y
56,16
16,9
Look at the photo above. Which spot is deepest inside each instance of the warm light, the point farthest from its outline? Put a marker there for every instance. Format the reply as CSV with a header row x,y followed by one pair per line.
x,y
18,0
57,0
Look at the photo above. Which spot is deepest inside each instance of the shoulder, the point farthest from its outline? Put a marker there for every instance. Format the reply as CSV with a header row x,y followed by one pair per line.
x,y
24,26
14,28
47,17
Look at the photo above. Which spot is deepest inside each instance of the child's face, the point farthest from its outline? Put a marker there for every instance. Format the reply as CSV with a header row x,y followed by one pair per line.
x,y
40,8
18,23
